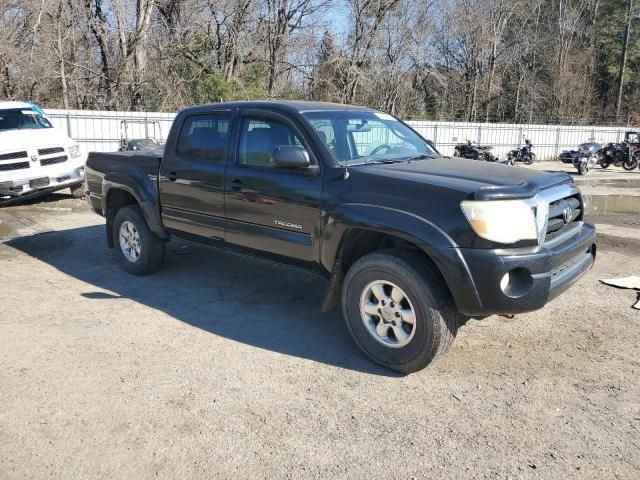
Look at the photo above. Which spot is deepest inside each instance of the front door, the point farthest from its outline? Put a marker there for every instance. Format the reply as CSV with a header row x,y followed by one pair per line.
x,y
192,178
272,210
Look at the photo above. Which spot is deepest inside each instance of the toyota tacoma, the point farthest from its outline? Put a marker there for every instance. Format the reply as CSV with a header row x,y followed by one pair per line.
x,y
410,242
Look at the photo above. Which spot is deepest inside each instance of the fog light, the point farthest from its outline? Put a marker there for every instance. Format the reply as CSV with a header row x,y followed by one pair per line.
x,y
504,282
516,282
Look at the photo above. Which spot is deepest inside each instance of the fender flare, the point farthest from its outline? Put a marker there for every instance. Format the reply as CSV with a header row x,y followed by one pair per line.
x,y
145,195
427,236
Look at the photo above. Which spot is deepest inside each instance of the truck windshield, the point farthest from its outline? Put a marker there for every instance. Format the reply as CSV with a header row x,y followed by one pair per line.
x,y
21,119
360,137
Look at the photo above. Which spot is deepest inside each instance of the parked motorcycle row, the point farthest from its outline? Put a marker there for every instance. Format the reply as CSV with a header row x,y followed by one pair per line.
x,y
476,151
625,154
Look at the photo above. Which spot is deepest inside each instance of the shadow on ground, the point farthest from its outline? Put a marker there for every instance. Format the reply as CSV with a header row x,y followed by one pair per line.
x,y
35,198
245,300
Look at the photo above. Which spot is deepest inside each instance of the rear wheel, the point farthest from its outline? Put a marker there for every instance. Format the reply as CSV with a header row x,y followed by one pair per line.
x,y
529,159
398,310
630,164
139,251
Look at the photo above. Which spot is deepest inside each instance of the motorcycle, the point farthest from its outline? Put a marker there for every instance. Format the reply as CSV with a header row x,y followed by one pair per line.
x,y
570,156
586,160
477,152
624,155
524,154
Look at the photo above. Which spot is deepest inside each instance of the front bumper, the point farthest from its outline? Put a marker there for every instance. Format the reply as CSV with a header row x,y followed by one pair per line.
x,y
50,181
536,276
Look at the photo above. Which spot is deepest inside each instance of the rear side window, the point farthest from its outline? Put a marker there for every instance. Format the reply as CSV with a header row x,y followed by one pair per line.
x,y
205,137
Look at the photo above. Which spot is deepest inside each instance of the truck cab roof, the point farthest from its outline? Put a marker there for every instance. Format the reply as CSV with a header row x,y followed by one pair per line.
x,y
282,105
14,105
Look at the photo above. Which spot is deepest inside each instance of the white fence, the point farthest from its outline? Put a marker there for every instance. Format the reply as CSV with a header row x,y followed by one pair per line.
x,y
103,130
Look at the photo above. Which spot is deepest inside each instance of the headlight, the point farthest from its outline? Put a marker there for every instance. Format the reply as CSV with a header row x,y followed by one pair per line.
x,y
74,151
502,221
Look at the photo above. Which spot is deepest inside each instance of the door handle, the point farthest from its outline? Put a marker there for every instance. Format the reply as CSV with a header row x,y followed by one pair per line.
x,y
236,185
172,176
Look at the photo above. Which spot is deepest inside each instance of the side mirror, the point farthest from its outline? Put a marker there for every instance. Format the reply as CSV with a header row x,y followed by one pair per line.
x,y
290,156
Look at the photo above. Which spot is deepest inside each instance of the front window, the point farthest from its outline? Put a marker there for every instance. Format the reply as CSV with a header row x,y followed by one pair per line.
x,y
22,119
359,137
259,138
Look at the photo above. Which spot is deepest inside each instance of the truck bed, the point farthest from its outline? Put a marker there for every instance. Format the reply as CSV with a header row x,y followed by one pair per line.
x,y
135,164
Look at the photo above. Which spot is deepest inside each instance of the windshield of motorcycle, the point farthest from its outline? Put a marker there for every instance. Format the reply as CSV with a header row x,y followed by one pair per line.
x,y
22,119
360,137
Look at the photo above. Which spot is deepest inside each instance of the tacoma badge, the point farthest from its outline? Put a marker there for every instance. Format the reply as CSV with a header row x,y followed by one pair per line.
x,y
280,223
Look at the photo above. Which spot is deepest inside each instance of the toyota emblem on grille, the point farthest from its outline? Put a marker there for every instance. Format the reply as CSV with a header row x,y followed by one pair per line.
x,y
567,213
34,158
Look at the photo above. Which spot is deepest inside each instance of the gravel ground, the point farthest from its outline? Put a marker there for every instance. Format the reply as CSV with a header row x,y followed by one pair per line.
x,y
220,367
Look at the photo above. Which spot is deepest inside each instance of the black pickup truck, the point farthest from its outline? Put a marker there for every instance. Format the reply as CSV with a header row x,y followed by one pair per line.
x,y
410,242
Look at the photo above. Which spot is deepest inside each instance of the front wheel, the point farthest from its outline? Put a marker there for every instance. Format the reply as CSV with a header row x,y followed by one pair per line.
x,y
456,153
77,191
583,169
139,251
398,311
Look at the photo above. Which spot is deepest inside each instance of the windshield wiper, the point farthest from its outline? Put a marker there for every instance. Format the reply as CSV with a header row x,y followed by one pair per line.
x,y
378,161
421,157
386,161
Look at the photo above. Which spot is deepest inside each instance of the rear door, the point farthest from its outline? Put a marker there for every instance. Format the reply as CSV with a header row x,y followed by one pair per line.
x,y
192,177
272,210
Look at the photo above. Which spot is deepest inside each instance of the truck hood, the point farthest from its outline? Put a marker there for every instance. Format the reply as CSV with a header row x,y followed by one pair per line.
x,y
479,180
15,140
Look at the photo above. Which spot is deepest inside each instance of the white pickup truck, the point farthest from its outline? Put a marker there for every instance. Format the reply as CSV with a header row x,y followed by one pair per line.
x,y
35,156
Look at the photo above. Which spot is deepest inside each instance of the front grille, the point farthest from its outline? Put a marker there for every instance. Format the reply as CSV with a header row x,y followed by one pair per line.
x,y
13,155
51,161
557,223
5,167
50,150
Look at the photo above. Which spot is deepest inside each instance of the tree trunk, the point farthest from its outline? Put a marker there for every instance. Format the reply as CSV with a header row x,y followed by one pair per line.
x,y
623,61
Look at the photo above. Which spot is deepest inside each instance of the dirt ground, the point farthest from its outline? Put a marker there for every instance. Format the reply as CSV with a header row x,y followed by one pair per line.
x,y
221,367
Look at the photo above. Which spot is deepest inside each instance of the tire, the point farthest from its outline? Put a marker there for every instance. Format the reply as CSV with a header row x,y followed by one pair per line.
x,y
630,164
77,191
456,153
151,250
605,163
424,293
583,169
529,159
